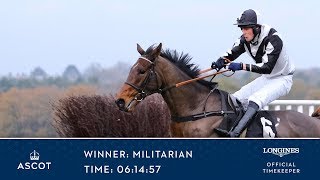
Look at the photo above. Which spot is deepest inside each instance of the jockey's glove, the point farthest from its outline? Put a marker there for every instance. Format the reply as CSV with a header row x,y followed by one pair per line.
x,y
220,63
235,66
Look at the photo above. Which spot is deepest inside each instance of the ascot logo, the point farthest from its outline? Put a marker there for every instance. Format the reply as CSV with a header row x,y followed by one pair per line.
x,y
280,151
34,156
34,164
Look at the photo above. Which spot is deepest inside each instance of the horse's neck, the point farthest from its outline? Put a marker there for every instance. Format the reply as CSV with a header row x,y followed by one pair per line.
x,y
187,99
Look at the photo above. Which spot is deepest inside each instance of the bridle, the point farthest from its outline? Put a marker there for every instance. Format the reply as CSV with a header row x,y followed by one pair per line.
x,y
142,92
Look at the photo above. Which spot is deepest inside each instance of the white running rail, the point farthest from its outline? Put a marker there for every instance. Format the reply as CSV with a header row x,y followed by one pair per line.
x,y
303,106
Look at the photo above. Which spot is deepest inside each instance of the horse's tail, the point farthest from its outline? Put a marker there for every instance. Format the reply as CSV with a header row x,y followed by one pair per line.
x,y
316,113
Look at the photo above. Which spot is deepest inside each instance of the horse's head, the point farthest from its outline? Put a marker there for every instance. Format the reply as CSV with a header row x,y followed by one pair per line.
x,y
142,80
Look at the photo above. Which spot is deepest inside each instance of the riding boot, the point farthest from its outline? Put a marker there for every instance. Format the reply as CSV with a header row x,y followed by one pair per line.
x,y
245,120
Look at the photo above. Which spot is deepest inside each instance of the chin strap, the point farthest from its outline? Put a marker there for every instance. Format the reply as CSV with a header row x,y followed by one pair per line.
x,y
256,32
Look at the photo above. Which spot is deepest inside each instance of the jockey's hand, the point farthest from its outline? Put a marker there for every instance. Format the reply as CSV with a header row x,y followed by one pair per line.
x,y
235,66
220,63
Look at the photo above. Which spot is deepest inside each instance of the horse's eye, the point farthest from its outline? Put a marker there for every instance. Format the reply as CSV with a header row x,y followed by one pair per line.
x,y
141,71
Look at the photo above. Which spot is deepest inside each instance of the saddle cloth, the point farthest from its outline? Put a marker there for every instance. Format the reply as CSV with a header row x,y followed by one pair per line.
x,y
263,125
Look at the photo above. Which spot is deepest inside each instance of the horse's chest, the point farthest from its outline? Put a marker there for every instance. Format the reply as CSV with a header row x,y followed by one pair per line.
x,y
191,129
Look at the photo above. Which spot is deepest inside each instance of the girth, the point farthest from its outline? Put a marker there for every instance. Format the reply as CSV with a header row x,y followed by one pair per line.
x,y
224,111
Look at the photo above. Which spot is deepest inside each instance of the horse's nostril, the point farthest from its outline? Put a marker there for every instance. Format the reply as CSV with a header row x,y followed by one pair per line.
x,y
120,103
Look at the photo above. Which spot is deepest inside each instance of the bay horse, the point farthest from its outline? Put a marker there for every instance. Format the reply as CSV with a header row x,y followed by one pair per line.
x,y
156,71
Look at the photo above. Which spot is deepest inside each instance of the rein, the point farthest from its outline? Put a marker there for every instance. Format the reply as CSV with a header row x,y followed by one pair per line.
x,y
199,78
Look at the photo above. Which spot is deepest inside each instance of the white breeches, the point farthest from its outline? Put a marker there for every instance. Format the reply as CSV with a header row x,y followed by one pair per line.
x,y
264,90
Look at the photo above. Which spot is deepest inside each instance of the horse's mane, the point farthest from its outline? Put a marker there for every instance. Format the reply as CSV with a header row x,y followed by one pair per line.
x,y
182,61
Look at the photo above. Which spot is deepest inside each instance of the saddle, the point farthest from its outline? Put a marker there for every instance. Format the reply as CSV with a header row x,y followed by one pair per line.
x,y
229,102
263,124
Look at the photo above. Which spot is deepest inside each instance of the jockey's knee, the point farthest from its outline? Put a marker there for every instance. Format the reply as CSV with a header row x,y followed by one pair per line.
x,y
243,101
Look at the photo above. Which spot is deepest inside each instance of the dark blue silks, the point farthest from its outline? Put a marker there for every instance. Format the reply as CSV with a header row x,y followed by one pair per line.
x,y
159,158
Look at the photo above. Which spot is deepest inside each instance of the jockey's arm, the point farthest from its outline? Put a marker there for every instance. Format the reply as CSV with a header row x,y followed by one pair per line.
x,y
237,49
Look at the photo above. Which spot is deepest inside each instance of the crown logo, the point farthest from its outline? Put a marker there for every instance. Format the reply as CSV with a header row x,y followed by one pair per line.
x,y
34,155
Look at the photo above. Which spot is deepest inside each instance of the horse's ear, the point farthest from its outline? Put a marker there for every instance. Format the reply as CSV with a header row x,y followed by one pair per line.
x,y
156,52
140,50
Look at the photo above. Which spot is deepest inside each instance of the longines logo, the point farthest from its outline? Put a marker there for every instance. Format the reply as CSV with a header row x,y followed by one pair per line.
x,y
34,164
280,151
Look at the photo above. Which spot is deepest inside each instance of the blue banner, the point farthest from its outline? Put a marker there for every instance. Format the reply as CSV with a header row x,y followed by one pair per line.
x,y
159,158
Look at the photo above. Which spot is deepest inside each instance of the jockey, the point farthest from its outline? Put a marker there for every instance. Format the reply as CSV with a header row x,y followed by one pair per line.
x,y
266,48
